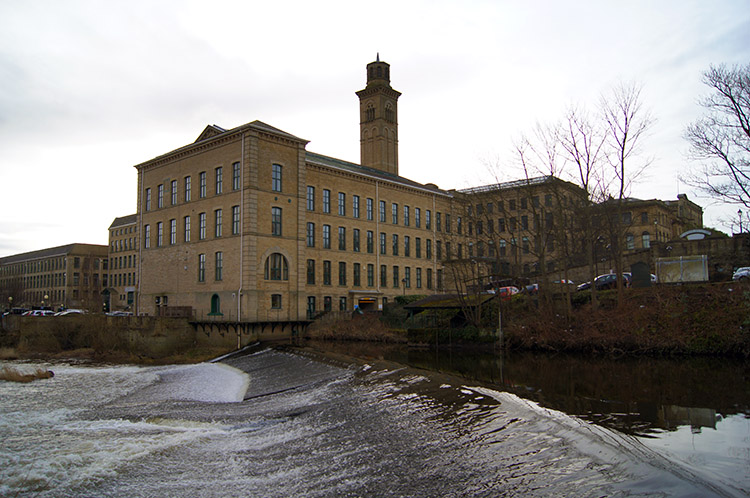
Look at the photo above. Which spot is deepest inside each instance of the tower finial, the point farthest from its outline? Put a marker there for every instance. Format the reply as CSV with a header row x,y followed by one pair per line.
x,y
377,58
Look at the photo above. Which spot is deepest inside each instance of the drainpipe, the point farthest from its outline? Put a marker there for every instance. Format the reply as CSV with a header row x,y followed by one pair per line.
x,y
376,242
242,232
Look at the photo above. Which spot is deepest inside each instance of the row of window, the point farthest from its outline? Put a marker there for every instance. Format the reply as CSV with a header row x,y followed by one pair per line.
x,y
367,273
169,237
522,203
369,242
404,213
172,190
120,279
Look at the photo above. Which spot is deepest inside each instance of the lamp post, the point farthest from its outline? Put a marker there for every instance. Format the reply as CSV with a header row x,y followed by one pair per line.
x,y
10,303
739,214
46,298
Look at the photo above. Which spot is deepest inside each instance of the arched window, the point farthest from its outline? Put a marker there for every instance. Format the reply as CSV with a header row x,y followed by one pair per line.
x,y
646,240
369,113
215,305
276,267
390,116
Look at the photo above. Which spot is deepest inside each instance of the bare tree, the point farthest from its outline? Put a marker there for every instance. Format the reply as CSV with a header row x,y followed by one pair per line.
x,y
583,144
720,139
626,123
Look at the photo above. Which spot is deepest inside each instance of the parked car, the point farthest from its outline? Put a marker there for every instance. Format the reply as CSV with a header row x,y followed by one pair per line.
x,y
606,281
39,313
506,293
120,313
741,274
70,312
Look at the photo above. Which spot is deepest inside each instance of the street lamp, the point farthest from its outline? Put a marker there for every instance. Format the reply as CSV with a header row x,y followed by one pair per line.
x,y
739,213
10,303
46,298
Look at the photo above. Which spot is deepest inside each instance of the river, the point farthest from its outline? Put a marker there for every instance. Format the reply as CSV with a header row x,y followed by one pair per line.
x,y
397,423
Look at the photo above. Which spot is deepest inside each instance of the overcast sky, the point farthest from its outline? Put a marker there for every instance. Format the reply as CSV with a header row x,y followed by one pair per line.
x,y
90,88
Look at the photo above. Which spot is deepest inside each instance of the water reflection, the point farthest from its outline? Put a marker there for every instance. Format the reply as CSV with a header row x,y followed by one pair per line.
x,y
641,396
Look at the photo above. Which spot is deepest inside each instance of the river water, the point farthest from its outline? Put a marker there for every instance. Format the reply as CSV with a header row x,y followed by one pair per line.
x,y
399,423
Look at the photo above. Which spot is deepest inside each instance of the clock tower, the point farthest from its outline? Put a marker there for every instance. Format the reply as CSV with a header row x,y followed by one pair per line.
x,y
378,119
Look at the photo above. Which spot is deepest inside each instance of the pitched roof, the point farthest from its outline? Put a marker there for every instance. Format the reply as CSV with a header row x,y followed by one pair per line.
x,y
332,162
123,220
48,253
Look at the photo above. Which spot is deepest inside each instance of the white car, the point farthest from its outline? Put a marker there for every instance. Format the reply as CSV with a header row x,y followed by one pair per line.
x,y
39,313
741,273
69,312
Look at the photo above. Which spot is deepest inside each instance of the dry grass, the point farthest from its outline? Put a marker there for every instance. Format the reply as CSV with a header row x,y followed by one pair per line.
x,y
8,354
14,375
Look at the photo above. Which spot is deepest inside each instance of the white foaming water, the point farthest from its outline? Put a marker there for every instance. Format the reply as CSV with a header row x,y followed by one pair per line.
x,y
45,445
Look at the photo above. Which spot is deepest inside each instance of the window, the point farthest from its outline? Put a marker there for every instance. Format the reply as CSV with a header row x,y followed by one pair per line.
x,y
202,184
525,245
357,277
548,200
428,248
219,265
326,236
448,223
173,186
370,275
201,268
383,275
437,222
342,273
217,223
326,200
172,232
236,176
235,220
630,241
406,216
395,244
524,203
382,243
524,222
187,188
327,303
148,199
186,226
394,213
219,180
512,204
326,273
459,226
276,178
342,303
160,196
407,277
276,221
395,276
342,239
276,267
381,211
146,237
427,219
418,247
355,206
355,240
646,240
159,233
407,249
417,217
202,226
311,272
342,204
276,301
626,218
419,278
429,278
644,218
310,198
439,250
310,234
369,209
